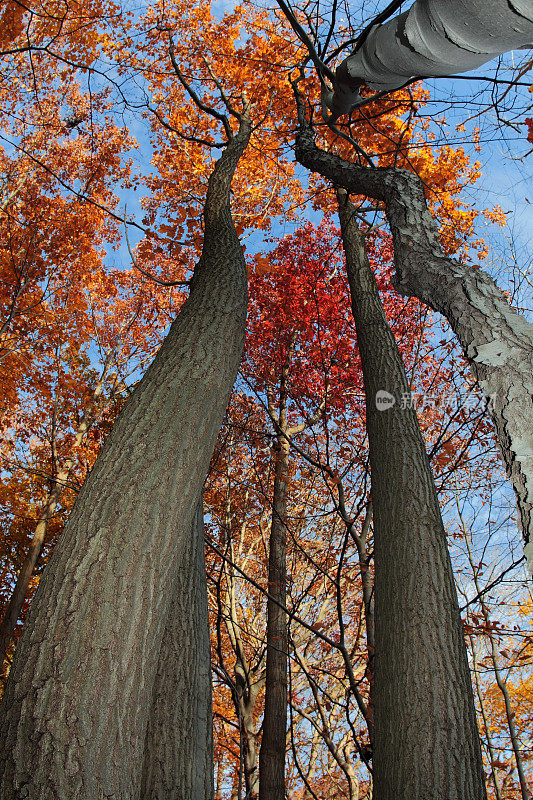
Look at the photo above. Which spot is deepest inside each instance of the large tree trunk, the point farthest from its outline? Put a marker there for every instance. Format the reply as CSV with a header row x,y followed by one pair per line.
x,y
16,601
178,756
426,742
496,340
274,739
79,696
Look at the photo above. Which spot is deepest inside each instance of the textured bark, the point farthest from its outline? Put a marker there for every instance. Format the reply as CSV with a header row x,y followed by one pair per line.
x,y
16,601
273,742
496,340
250,748
78,698
433,38
426,742
178,757
246,687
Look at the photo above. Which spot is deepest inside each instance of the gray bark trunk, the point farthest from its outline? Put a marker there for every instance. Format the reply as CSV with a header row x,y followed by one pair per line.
x,y
496,340
78,699
426,742
178,756
433,38
251,768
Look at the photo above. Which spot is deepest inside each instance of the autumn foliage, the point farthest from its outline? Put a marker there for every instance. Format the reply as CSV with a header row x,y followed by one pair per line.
x,y
111,119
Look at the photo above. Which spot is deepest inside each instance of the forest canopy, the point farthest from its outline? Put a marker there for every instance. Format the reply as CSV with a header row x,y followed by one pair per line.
x,y
266,375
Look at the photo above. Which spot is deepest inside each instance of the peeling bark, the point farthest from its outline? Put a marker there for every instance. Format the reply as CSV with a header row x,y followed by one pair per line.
x,y
433,38
496,340
79,695
426,741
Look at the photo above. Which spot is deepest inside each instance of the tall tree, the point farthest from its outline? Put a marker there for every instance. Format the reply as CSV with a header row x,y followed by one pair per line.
x,y
440,38
115,544
496,340
300,360
422,690
296,304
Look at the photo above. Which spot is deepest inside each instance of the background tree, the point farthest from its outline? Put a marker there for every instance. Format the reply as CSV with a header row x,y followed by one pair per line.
x,y
298,295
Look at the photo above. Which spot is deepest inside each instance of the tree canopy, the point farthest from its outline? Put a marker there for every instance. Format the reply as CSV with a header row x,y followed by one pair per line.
x,y
246,258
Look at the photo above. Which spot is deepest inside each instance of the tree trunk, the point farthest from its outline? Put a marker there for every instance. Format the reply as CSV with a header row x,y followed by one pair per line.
x,y
178,756
433,38
20,590
251,770
496,340
79,696
247,680
16,601
426,742
274,739
491,755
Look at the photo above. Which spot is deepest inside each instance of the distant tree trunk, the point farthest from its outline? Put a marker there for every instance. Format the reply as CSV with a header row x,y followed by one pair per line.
x,y
251,770
274,739
178,756
20,590
426,742
248,679
492,756
496,340
78,699
247,683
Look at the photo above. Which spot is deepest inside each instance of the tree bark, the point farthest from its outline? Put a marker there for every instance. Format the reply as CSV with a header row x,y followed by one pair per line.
x,y
16,601
79,696
433,38
496,340
426,742
251,769
178,755
274,739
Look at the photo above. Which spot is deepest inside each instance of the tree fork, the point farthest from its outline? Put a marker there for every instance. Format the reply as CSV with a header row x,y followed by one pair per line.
x,y
426,742
496,340
78,699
